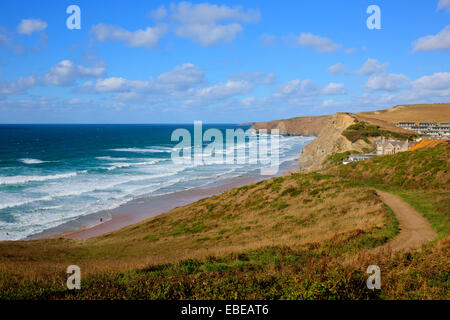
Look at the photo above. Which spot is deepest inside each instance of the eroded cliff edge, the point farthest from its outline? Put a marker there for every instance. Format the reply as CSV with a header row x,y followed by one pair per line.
x,y
329,141
327,129
333,134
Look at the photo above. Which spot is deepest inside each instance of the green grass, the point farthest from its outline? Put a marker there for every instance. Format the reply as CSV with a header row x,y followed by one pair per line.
x,y
434,206
338,157
267,273
274,209
277,272
420,177
362,130
151,238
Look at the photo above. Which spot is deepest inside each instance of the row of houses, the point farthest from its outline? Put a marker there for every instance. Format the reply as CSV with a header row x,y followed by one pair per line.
x,y
430,128
422,124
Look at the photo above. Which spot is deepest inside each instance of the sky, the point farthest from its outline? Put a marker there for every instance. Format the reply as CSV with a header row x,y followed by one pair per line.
x,y
218,61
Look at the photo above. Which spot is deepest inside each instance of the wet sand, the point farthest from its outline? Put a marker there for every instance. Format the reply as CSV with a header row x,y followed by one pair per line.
x,y
144,208
137,212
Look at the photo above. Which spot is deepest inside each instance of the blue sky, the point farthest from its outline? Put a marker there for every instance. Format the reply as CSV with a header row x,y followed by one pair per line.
x,y
218,61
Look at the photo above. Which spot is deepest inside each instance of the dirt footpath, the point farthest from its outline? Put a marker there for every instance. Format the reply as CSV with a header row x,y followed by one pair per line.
x,y
415,230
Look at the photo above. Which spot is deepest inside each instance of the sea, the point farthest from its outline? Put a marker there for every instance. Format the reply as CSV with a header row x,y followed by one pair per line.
x,y
53,174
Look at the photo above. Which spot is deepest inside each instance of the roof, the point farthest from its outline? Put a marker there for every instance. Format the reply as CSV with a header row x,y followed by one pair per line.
x,y
394,143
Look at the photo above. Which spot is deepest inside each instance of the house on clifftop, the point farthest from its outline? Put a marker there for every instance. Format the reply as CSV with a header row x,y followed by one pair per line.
x,y
385,147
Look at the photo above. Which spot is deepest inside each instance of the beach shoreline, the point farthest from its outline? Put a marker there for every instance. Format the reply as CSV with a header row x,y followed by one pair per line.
x,y
142,209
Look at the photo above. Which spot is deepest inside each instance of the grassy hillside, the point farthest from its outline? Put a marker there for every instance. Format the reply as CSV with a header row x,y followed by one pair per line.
x,y
426,169
285,238
421,177
439,112
362,130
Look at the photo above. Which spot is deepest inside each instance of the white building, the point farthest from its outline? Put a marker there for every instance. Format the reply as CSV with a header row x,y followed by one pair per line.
x,y
429,128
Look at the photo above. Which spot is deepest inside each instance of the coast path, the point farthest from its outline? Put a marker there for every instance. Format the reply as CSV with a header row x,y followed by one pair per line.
x,y
415,230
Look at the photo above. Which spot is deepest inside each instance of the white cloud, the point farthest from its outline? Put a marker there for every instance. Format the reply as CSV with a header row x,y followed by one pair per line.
x,y
159,13
438,42
19,85
172,83
372,66
307,88
223,90
140,38
41,102
337,68
436,81
182,86
12,42
248,101
334,89
28,26
386,82
318,43
209,24
444,4
255,78
204,13
297,87
295,94
65,73
386,90
78,101
62,74
114,84
206,24
182,77
209,35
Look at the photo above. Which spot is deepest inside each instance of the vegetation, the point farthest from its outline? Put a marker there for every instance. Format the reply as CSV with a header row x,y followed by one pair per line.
x,y
338,157
302,236
423,169
362,130
420,177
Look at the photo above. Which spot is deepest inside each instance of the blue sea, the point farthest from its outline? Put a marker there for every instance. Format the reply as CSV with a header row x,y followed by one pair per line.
x,y
53,174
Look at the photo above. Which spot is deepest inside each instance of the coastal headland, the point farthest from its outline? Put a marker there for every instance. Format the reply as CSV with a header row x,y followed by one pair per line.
x,y
309,234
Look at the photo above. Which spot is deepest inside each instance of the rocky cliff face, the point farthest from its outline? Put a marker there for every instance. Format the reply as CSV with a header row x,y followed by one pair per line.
x,y
330,140
328,129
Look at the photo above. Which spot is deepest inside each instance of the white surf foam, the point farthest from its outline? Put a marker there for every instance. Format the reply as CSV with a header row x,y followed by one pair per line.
x,y
32,161
25,179
144,150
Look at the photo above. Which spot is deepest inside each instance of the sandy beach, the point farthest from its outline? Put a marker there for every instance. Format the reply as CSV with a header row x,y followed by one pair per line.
x,y
136,212
144,208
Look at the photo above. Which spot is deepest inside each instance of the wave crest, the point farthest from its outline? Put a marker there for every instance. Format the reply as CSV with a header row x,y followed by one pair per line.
x,y
25,179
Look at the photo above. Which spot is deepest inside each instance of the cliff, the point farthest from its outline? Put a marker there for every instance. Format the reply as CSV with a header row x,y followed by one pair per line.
x,y
329,130
330,140
306,126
